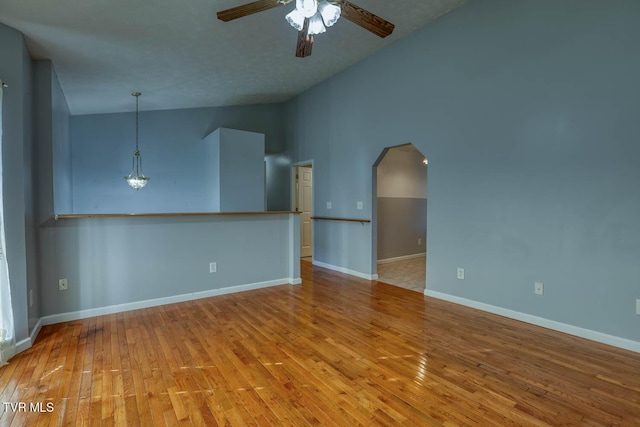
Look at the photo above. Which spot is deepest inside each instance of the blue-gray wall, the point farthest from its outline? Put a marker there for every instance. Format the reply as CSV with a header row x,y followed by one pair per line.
x,y
111,261
235,171
528,113
278,176
212,180
242,171
173,153
401,222
61,137
51,153
43,119
15,69
42,160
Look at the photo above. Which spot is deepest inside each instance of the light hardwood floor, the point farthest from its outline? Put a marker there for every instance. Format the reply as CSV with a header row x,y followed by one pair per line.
x,y
335,350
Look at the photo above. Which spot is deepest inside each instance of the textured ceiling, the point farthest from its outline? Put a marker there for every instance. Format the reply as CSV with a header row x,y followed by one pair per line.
x,y
179,55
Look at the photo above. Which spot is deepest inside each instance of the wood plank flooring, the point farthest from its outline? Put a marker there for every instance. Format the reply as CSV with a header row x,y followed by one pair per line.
x,y
335,350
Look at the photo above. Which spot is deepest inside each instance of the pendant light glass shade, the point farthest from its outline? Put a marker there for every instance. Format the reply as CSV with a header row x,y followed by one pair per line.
x,y
316,26
330,12
295,19
136,178
308,8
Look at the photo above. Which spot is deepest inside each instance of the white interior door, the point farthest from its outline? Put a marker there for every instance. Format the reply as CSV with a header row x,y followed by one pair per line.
x,y
305,207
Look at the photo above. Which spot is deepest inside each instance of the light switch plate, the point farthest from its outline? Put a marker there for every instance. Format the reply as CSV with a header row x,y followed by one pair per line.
x,y
359,205
328,205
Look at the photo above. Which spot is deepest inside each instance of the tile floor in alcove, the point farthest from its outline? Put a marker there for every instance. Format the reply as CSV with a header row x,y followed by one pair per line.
x,y
408,274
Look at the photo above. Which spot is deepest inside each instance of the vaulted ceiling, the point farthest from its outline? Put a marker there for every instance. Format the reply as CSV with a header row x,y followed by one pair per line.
x,y
179,55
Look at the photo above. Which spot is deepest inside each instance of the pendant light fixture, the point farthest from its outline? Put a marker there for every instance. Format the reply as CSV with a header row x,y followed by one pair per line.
x,y
136,178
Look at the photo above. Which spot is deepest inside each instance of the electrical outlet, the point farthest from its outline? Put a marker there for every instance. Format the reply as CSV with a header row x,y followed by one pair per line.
x,y
460,273
419,241
638,307
213,267
538,288
63,284
359,205
30,297
328,205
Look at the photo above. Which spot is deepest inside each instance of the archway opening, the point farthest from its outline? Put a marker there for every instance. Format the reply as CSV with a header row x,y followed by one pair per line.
x,y
400,217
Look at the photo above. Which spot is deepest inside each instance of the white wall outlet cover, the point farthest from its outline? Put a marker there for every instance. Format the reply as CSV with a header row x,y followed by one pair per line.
x,y
638,307
460,273
359,205
63,284
538,288
419,241
213,267
328,205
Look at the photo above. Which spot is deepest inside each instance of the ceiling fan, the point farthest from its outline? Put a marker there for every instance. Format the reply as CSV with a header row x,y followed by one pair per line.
x,y
311,17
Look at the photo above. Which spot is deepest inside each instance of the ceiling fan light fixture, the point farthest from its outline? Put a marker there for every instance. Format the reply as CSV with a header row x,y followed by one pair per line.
x,y
330,12
316,25
313,17
295,19
307,8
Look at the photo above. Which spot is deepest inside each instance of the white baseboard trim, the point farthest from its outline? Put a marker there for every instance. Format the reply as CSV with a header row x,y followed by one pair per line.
x,y
540,321
345,270
100,311
401,258
26,343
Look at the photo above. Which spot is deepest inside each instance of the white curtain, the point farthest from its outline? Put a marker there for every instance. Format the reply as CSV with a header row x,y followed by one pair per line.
x,y
7,332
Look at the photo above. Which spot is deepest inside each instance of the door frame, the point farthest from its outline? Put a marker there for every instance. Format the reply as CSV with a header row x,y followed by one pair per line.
x,y
294,196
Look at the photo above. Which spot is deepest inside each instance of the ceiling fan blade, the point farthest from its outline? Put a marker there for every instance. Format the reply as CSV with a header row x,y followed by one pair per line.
x,y
305,41
247,9
366,19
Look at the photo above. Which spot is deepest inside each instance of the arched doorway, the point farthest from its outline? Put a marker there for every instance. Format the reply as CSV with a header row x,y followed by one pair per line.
x,y
400,217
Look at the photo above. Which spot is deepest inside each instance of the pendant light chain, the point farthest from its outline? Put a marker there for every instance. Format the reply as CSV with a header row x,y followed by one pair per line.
x,y
137,96
137,153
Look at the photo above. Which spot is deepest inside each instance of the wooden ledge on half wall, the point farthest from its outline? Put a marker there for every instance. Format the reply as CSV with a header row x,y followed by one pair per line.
x,y
168,214
330,218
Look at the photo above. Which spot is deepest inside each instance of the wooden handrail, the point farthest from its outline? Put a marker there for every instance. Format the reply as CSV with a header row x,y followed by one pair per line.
x,y
327,218
125,215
